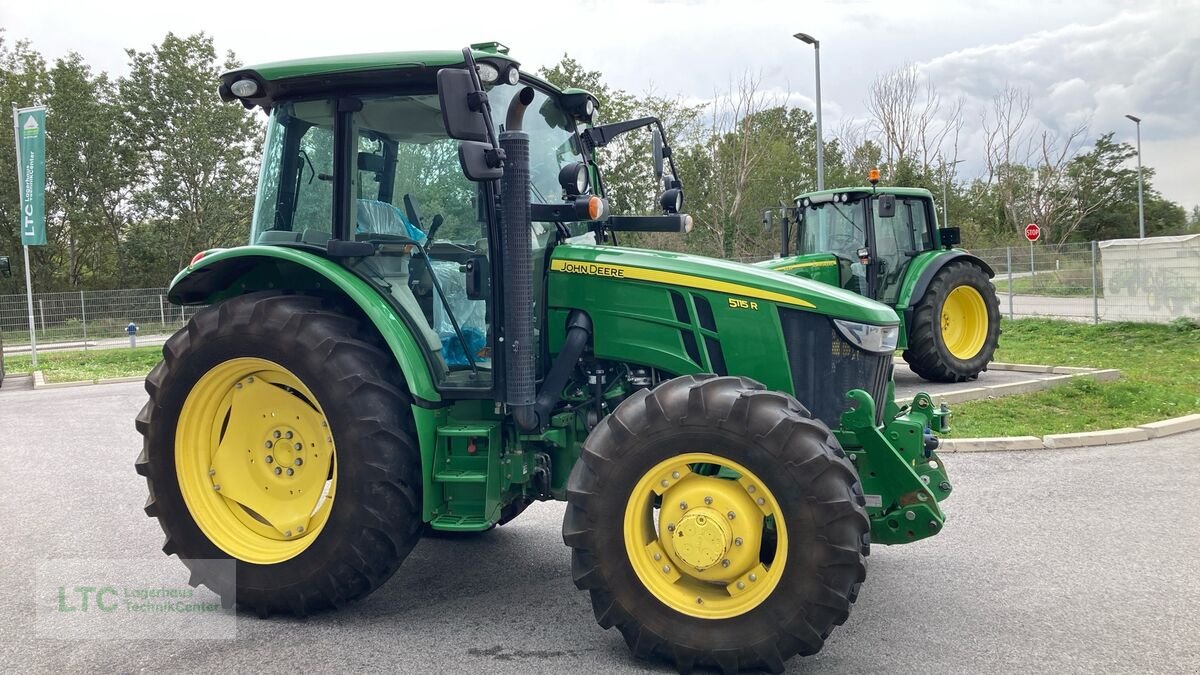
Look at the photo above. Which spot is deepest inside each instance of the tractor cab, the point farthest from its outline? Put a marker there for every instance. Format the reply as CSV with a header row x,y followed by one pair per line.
x,y
860,239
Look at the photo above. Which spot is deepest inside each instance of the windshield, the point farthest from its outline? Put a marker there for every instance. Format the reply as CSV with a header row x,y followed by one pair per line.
x,y
837,228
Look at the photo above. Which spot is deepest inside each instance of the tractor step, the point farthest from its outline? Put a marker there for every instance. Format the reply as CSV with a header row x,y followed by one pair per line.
x,y
450,523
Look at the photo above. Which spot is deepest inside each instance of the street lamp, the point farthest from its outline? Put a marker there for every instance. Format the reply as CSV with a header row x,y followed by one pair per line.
x,y
1141,209
945,201
810,40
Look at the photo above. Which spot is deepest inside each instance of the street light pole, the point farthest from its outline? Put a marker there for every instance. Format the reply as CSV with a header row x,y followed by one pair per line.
x,y
808,39
1141,209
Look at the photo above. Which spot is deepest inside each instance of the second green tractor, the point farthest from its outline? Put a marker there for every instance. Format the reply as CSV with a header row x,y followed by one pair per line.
x,y
433,328
885,243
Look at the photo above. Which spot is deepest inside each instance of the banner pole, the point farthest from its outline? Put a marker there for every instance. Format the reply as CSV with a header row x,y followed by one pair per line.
x,y
28,276
29,298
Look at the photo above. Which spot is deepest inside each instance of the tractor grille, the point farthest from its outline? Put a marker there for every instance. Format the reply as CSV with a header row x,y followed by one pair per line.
x,y
825,366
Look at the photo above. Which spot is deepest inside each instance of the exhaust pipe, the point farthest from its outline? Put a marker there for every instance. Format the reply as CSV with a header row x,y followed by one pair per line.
x,y
520,353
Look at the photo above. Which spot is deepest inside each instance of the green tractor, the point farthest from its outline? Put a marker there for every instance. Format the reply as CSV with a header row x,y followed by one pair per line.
x,y
885,244
434,327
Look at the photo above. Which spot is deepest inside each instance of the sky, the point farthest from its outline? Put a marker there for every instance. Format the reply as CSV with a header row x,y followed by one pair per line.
x,y
1082,62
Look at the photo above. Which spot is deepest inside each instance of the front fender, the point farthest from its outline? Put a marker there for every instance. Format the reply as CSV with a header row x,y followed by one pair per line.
x,y
922,270
225,273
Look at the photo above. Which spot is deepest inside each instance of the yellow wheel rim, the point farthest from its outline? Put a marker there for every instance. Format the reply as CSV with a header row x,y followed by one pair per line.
x,y
709,546
964,322
254,457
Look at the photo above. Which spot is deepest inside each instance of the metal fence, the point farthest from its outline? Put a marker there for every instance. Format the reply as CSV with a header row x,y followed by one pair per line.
x,y
1153,280
89,318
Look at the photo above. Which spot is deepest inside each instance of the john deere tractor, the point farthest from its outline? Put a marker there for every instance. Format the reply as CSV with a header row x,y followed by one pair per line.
x,y
434,327
885,244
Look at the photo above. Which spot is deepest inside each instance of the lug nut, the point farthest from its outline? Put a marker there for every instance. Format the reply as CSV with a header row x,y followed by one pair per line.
x,y
670,527
741,585
699,600
278,471
270,445
725,562
249,380
238,385
299,529
288,435
666,569
269,459
212,472
299,461
737,541
683,505
664,482
674,474
217,487
708,500
288,533
290,471
298,446
751,489
753,577
761,501
276,434
658,556
731,515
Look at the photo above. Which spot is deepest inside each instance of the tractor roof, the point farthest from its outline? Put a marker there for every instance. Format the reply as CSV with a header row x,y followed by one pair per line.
x,y
357,63
827,195
381,70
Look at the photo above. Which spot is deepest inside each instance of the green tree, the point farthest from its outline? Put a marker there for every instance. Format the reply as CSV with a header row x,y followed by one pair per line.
x,y
24,81
196,156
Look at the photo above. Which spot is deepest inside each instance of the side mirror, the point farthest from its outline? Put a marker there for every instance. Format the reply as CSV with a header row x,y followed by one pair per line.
x,y
768,219
476,160
5,268
950,236
887,206
462,105
656,146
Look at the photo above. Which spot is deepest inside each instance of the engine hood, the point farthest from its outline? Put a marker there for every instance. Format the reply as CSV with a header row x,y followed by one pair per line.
x,y
723,276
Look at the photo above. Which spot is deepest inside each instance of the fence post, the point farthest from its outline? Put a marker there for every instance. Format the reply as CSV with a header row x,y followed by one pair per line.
x,y
1095,296
83,313
42,311
162,310
1010,282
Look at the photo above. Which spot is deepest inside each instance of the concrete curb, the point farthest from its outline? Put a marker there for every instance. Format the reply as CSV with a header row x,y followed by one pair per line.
x,y
1142,432
39,381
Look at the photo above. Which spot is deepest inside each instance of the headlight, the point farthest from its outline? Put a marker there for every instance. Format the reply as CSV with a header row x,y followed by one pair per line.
x,y
878,339
244,88
487,72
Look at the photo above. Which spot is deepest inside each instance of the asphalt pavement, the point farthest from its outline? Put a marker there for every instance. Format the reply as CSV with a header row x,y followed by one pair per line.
x,y
1053,561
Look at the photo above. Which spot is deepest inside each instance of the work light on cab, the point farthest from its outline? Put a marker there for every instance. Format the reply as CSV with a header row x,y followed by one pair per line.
x,y
244,88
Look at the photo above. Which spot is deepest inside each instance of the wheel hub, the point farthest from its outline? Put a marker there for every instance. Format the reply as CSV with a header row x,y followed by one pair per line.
x,y
702,538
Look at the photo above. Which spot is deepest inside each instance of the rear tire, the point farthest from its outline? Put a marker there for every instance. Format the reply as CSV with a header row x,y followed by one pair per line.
x,y
294,353
955,326
808,565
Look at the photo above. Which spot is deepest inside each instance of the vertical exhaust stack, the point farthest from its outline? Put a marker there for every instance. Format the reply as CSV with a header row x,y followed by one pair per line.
x,y
520,349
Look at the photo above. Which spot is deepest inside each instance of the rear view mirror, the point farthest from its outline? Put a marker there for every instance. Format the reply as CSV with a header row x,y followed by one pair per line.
x,y
950,236
5,268
887,206
656,145
475,160
462,105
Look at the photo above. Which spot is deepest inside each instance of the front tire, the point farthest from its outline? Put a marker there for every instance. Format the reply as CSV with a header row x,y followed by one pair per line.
x,y
277,437
955,326
716,524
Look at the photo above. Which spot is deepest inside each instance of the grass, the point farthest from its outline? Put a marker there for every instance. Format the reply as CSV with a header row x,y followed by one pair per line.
x,y
1160,378
77,366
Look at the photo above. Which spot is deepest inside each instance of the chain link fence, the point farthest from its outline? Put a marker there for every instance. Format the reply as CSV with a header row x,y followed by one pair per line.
x,y
89,319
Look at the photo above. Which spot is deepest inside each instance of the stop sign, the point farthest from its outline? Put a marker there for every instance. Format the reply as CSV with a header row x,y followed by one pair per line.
x,y
1032,232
